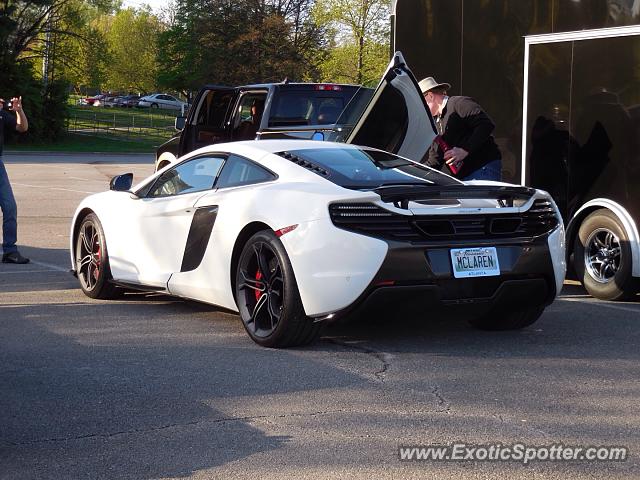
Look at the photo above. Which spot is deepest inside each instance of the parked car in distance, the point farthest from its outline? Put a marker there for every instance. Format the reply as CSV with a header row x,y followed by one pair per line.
x,y
162,100
280,110
92,100
108,101
129,101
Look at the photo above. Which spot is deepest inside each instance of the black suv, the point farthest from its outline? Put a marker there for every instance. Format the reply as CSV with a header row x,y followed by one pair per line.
x,y
274,110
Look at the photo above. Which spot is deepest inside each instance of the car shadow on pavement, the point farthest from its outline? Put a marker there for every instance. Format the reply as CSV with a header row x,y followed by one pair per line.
x,y
575,325
138,390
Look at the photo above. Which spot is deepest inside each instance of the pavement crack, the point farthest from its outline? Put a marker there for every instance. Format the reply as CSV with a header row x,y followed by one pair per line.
x,y
442,403
172,425
383,358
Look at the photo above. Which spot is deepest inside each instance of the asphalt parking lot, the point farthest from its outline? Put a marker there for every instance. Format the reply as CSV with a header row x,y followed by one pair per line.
x,y
152,387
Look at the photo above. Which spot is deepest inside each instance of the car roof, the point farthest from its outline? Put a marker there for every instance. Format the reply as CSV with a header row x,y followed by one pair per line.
x,y
280,84
277,145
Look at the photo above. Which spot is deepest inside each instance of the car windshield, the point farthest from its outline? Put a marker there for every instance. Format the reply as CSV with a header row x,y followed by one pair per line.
x,y
362,168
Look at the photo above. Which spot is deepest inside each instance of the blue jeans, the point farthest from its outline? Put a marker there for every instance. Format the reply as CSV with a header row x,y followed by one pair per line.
x,y
491,171
9,213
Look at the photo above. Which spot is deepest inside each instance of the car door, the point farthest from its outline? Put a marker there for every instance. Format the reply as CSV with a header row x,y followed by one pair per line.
x,y
208,119
172,102
164,102
397,118
161,218
204,269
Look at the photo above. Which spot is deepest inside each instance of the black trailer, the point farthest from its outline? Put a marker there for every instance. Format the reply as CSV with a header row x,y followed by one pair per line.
x,y
561,80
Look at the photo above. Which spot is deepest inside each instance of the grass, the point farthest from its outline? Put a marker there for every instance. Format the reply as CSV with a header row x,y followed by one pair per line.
x,y
123,117
77,143
110,130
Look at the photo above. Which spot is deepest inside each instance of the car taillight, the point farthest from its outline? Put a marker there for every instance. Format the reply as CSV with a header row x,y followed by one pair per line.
x,y
328,87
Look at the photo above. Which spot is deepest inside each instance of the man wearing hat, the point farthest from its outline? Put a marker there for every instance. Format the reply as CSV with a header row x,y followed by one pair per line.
x,y
469,149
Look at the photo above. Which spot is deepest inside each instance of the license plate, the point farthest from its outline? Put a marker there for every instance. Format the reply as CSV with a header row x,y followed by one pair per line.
x,y
475,262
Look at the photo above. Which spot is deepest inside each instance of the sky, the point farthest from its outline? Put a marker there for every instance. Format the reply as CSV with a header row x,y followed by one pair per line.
x,y
156,5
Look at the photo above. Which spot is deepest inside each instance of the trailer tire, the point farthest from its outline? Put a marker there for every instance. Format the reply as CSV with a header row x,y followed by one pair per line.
x,y
602,257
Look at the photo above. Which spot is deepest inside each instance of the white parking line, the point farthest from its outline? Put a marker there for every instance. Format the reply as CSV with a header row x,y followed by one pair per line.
x,y
100,180
602,304
53,188
15,272
51,266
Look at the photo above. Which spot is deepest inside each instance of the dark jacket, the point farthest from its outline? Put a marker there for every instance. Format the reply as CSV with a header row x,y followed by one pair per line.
x,y
464,124
7,125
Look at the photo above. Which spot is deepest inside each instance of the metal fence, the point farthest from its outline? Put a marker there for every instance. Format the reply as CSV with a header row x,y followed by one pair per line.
x,y
122,124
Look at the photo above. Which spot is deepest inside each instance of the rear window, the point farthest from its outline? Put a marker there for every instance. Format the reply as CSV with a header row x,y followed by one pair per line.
x,y
362,168
313,105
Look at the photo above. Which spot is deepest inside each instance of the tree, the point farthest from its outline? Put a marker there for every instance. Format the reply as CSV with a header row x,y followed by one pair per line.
x,y
359,31
238,42
32,50
132,42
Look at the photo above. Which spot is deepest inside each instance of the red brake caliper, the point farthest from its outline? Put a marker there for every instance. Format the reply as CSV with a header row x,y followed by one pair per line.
x,y
258,277
96,271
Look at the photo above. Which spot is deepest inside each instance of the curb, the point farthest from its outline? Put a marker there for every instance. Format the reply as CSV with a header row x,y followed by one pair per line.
x,y
7,153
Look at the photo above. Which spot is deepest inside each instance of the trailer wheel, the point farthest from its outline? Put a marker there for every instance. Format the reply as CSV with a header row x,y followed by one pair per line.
x,y
602,257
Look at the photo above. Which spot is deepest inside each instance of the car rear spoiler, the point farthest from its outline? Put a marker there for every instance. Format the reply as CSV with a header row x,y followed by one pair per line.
x,y
402,194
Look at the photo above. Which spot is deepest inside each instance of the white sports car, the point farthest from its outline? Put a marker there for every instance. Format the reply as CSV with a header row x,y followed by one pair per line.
x,y
295,233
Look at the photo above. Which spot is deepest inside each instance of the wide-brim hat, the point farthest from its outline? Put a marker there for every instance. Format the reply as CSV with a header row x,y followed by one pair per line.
x,y
430,83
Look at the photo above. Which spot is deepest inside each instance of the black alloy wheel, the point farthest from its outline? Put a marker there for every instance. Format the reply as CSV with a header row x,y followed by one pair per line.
x,y
267,295
92,260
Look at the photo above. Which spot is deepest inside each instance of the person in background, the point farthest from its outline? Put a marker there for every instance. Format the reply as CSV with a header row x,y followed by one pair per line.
x,y
465,143
10,123
249,128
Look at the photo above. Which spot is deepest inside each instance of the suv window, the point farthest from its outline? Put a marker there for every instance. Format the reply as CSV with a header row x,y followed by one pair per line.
x,y
194,175
240,171
213,108
248,116
312,105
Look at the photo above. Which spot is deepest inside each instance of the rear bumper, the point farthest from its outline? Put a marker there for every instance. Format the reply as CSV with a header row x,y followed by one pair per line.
x,y
418,280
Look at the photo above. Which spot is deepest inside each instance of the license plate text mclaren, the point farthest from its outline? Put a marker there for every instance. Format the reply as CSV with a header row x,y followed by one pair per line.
x,y
475,262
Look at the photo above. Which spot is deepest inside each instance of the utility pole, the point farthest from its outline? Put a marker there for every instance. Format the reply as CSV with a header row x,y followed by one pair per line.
x,y
46,59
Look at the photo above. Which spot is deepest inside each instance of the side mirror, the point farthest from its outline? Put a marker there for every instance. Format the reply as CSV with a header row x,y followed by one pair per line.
x,y
121,183
179,124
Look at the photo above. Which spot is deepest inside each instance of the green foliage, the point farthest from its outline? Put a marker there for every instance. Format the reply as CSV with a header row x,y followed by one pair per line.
x,y
19,43
359,44
131,42
240,42
341,64
81,57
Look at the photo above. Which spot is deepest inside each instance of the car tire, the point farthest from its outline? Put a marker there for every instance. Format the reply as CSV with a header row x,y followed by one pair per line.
x,y
507,320
92,260
602,257
270,306
155,105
